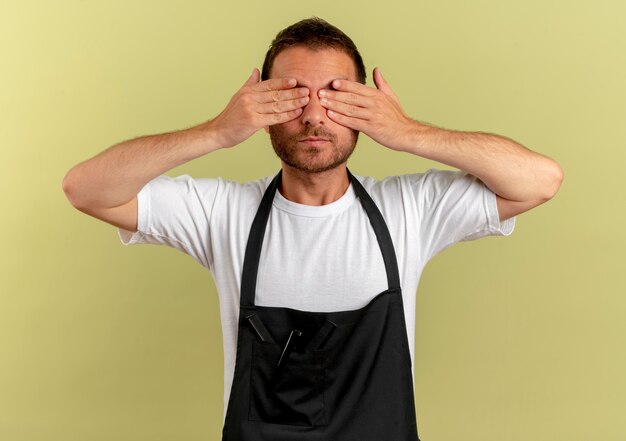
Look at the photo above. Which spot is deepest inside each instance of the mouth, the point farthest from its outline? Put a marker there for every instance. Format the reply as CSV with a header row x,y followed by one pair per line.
x,y
314,141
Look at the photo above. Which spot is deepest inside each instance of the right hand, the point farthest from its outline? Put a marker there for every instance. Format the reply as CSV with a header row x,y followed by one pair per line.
x,y
257,105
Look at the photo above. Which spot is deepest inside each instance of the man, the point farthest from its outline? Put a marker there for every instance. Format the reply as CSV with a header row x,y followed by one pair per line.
x,y
324,249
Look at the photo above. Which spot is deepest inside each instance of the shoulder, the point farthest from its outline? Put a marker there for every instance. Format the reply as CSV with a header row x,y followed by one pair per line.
x,y
424,190
432,179
429,177
237,193
202,187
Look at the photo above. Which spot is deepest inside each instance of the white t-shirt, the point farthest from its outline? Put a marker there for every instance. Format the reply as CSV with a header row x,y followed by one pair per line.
x,y
314,258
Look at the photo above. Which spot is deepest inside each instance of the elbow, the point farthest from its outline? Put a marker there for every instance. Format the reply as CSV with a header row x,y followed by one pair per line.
x,y
71,187
553,178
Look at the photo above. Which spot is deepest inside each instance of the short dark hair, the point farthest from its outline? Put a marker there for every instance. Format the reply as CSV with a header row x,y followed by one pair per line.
x,y
313,33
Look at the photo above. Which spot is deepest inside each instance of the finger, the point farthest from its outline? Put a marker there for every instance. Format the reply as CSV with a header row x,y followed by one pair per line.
x,y
281,95
352,86
347,121
283,106
350,98
253,78
350,110
382,84
275,84
279,118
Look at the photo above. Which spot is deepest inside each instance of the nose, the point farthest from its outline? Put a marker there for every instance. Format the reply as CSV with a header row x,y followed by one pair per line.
x,y
313,113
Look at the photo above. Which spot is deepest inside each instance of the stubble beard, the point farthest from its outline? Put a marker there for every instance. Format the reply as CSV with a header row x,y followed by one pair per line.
x,y
287,149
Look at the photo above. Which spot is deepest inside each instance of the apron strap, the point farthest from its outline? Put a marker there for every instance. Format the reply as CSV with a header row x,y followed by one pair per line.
x,y
255,241
259,224
382,233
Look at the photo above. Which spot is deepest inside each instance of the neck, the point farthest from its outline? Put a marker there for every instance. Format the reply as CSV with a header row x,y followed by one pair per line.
x,y
314,188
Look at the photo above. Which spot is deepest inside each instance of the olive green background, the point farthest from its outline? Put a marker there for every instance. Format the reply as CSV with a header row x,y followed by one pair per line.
x,y
517,338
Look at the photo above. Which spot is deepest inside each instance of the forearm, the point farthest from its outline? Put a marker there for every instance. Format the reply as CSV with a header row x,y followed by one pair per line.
x,y
520,177
507,168
116,175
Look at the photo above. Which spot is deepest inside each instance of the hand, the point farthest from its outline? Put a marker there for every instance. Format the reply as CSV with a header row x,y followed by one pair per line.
x,y
375,112
257,105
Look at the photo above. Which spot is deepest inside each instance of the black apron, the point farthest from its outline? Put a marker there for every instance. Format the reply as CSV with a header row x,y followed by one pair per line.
x,y
321,376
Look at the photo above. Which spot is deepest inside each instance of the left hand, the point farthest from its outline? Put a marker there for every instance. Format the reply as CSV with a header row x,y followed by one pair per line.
x,y
375,112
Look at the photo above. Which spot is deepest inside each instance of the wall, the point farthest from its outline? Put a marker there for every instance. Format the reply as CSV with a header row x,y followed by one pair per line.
x,y
517,338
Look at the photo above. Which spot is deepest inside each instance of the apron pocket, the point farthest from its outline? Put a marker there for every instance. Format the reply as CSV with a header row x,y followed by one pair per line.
x,y
292,394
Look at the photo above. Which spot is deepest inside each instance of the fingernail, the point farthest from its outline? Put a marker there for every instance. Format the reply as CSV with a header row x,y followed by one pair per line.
x,y
322,92
336,84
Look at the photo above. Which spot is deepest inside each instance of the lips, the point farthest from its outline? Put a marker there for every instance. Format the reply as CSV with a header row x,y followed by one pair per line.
x,y
314,141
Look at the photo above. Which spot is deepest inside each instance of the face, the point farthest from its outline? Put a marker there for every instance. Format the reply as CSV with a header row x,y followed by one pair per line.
x,y
313,143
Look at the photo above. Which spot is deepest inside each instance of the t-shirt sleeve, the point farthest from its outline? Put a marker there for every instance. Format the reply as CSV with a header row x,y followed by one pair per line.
x,y
176,212
455,206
